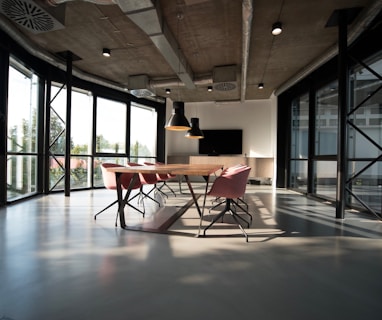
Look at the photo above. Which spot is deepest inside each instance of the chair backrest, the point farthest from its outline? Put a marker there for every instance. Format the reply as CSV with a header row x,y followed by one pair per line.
x,y
160,176
231,183
146,178
110,181
232,168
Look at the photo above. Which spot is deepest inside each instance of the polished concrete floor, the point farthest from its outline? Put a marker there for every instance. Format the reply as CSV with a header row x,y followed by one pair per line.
x,y
57,262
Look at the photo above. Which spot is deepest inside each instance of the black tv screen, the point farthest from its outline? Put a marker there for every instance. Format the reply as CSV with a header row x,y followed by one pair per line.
x,y
218,142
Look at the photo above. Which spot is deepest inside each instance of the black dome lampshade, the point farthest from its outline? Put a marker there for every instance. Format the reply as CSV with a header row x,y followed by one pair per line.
x,y
178,121
194,132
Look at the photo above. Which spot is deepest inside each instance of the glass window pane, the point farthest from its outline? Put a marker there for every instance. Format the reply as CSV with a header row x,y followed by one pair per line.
x,y
326,120
57,119
368,115
325,173
110,126
80,172
21,176
56,172
299,174
367,185
300,126
22,132
98,182
81,122
22,111
143,132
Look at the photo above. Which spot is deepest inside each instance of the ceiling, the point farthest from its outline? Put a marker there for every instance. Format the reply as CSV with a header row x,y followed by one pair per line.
x,y
185,45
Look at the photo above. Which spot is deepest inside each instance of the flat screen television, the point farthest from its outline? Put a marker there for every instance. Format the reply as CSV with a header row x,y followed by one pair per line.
x,y
221,142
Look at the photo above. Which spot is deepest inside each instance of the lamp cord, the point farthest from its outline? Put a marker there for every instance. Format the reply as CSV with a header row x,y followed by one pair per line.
x,y
273,39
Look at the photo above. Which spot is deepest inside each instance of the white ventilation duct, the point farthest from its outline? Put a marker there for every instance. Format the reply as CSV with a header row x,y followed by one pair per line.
x,y
247,12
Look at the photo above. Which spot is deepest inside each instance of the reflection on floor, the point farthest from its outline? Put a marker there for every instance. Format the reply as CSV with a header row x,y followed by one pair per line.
x,y
57,262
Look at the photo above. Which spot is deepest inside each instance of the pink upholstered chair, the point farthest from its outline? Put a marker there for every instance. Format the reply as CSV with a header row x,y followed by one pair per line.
x,y
146,179
110,183
162,178
236,201
231,185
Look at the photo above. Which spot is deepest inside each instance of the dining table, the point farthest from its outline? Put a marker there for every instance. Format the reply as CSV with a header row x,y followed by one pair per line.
x,y
184,170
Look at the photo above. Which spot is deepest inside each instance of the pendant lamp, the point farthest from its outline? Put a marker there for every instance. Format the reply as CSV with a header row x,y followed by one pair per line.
x,y
194,132
177,121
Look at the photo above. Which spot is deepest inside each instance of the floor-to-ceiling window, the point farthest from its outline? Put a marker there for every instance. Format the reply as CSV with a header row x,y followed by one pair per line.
x,y
22,135
362,139
143,128
80,140
110,135
365,134
325,150
299,143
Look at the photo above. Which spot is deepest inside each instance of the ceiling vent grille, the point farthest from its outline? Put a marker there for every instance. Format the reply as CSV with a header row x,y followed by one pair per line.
x,y
29,15
139,86
224,86
224,78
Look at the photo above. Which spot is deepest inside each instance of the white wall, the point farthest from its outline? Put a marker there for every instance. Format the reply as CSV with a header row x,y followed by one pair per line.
x,y
257,119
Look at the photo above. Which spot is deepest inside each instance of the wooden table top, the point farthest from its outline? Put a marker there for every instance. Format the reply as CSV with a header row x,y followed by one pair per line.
x,y
177,169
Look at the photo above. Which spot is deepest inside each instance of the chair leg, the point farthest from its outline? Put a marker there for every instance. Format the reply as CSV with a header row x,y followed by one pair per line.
x,y
242,209
146,195
110,205
180,180
164,184
157,190
127,202
221,214
216,205
236,217
233,212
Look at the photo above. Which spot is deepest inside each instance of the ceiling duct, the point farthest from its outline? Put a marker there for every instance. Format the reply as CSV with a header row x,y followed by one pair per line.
x,y
224,78
149,18
138,86
32,16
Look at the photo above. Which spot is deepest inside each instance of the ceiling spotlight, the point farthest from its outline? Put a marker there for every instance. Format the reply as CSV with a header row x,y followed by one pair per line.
x,y
261,85
106,52
209,89
277,28
168,91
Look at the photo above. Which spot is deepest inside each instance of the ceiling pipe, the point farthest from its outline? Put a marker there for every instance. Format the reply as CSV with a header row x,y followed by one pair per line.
x,y
247,13
361,23
149,18
199,81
